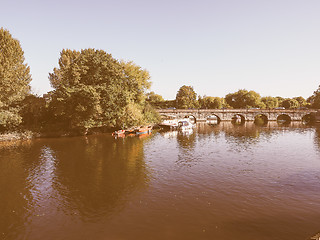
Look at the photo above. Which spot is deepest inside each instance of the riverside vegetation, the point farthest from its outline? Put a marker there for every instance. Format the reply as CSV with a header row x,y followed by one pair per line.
x,y
93,91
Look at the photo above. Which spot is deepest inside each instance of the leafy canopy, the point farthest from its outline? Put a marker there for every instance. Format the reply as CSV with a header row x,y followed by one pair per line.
x,y
244,99
186,98
14,79
94,89
270,102
211,102
289,103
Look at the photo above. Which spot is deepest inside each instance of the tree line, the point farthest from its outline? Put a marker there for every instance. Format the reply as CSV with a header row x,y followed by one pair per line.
x,y
187,98
93,90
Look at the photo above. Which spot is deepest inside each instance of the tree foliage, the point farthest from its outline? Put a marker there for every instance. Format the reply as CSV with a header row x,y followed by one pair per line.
x,y
302,102
289,103
32,111
14,79
186,98
315,99
270,102
9,120
154,98
94,89
244,99
210,102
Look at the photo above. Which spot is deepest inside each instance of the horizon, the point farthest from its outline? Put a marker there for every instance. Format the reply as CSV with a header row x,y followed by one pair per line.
x,y
218,48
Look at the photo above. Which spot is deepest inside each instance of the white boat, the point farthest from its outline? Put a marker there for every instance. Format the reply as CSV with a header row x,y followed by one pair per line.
x,y
185,125
169,124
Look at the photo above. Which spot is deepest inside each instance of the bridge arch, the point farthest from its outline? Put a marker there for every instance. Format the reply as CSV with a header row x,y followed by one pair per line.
x,y
213,119
238,119
261,119
284,119
191,118
308,118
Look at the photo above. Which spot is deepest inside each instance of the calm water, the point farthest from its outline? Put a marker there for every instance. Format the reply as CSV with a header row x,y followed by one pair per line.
x,y
223,182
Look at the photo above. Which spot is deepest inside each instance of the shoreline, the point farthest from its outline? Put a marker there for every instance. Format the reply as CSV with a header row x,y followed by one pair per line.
x,y
16,136
29,135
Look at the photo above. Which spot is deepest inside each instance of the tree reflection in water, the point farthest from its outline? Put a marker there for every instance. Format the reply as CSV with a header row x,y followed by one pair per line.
x,y
67,178
98,173
15,195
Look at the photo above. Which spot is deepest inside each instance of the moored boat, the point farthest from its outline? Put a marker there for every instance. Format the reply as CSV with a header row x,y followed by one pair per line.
x,y
118,133
143,130
169,124
185,125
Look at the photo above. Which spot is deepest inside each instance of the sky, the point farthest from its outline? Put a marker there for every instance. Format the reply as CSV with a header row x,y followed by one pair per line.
x,y
218,47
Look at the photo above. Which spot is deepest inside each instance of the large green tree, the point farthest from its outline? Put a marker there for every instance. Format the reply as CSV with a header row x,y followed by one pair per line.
x,y
186,98
14,79
244,99
93,89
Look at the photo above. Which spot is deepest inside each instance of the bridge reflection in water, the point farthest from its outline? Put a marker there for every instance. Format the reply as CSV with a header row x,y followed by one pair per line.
x,y
242,115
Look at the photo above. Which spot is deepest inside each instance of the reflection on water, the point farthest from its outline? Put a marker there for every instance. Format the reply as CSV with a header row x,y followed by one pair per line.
x,y
220,181
55,182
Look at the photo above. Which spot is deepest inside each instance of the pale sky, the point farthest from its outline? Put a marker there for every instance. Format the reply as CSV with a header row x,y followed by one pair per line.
x,y
218,47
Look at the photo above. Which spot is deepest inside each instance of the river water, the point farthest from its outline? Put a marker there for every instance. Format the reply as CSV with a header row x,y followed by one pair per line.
x,y
217,182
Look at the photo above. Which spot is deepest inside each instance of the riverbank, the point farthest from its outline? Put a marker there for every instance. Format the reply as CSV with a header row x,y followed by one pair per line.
x,y
27,135
14,136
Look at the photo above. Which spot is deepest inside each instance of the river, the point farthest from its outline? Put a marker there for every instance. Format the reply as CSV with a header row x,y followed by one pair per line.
x,y
217,182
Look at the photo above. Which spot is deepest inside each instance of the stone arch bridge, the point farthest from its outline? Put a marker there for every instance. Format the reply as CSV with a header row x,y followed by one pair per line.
x,y
201,115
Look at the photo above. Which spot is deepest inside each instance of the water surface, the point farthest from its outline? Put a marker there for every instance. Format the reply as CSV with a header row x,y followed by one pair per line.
x,y
216,182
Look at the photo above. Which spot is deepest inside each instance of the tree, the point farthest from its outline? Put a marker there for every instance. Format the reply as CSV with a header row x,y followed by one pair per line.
x,y
32,111
270,102
210,102
244,99
186,98
137,80
289,103
77,107
280,100
302,102
14,79
155,99
93,89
